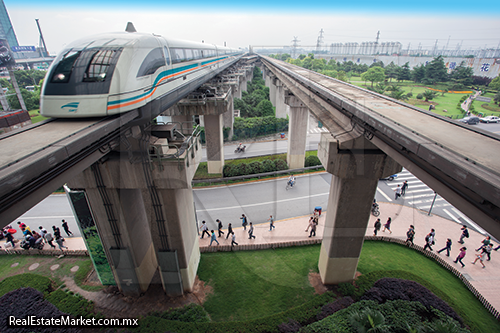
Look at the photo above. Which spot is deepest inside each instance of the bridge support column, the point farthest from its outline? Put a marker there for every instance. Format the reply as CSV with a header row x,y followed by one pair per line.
x,y
356,165
214,143
297,132
229,118
281,107
272,90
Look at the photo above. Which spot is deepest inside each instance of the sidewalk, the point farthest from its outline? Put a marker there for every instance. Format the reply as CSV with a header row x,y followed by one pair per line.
x,y
290,232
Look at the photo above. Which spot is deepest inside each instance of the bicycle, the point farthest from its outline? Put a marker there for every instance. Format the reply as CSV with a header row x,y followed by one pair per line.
x,y
290,184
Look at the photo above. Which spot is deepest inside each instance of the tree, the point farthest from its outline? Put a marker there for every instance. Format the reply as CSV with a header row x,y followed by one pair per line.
x,y
265,108
374,74
391,71
377,64
462,75
342,76
429,95
418,73
497,97
302,57
318,64
285,56
404,72
495,83
436,71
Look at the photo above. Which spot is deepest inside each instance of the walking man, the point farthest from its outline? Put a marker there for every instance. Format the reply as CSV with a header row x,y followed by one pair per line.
x,y
9,238
271,223
447,247
66,228
244,221
461,255
404,187
313,228
377,226
213,238
59,242
429,240
410,234
204,229
233,239
250,231
465,234
487,251
219,227
57,232
229,230
398,192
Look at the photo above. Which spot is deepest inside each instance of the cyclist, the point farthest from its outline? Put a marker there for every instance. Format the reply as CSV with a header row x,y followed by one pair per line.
x,y
291,180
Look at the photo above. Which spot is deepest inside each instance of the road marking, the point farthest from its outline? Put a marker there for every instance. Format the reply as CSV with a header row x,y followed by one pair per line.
x,y
262,203
478,228
383,194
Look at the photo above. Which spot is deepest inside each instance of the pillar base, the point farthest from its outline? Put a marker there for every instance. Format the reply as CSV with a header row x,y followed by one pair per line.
x,y
215,166
336,270
296,161
189,274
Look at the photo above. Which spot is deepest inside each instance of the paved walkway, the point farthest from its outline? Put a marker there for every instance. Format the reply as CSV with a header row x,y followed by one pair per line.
x,y
486,281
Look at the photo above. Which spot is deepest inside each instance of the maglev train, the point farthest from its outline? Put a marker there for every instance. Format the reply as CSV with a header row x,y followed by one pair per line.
x,y
113,73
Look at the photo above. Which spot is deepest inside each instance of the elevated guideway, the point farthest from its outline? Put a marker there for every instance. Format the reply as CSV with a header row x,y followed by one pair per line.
x,y
459,162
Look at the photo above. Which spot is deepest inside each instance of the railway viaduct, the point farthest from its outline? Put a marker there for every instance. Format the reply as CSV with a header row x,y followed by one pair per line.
x,y
137,178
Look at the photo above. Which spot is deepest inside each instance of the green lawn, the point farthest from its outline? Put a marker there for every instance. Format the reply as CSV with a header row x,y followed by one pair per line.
x,y
36,117
253,284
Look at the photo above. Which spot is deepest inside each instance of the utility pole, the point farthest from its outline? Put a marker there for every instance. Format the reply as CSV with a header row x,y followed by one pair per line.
x,y
408,48
320,41
435,48
295,42
42,40
376,42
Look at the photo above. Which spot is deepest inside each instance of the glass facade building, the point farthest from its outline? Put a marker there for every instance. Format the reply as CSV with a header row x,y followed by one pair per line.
x,y
6,28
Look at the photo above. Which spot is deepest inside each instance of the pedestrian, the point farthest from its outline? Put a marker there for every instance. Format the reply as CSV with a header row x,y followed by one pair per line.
x,y
313,228
244,222
310,224
57,232
213,238
461,255
24,227
479,257
59,242
43,231
229,230
219,227
447,247
204,229
48,238
484,243
377,226
404,187
429,241
387,225
66,228
250,231
9,238
398,192
233,239
271,223
487,251
465,234
410,234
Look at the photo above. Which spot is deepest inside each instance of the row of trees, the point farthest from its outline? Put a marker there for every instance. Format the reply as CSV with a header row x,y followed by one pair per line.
x,y
25,78
255,101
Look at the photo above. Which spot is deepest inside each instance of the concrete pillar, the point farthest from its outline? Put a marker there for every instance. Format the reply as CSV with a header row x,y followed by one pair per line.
x,y
229,116
297,132
272,90
214,143
356,165
281,110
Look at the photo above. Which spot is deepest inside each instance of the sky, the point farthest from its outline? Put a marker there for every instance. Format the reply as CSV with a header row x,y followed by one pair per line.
x,y
265,23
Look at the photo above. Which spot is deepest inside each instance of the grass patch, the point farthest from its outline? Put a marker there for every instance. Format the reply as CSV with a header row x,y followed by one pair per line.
x,y
36,116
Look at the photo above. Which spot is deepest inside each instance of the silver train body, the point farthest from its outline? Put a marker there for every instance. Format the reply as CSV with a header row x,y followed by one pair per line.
x,y
117,72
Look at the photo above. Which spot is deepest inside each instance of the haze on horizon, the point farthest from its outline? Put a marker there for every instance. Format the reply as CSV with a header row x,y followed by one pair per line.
x,y
263,25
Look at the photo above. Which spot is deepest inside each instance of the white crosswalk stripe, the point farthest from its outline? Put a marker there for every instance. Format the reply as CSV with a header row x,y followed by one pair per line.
x,y
317,130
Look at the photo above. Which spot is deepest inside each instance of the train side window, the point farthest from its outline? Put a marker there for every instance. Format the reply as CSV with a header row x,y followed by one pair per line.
x,y
65,67
177,55
189,54
154,60
98,67
167,55
197,54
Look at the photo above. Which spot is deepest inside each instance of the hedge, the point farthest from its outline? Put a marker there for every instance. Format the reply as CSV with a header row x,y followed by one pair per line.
x,y
38,282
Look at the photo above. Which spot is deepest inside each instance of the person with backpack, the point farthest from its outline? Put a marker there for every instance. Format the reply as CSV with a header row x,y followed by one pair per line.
x,y
429,240
465,234
244,222
229,230
48,238
410,234
447,247
485,243
377,227
219,227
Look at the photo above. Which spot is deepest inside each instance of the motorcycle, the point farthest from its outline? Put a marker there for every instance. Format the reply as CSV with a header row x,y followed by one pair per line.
x,y
375,210
25,244
240,149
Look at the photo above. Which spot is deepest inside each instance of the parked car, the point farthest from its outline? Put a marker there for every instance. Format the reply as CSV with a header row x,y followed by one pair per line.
x,y
470,120
489,119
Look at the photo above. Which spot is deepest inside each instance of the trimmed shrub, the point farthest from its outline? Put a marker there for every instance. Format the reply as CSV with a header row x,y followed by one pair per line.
x,y
346,288
420,96
74,305
229,170
312,161
331,308
243,169
256,167
38,282
280,165
268,166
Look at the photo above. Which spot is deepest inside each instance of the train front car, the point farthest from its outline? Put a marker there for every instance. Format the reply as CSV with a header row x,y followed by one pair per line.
x,y
88,71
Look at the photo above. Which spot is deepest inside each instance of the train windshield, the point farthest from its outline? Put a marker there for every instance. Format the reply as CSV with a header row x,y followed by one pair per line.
x,y
64,68
98,66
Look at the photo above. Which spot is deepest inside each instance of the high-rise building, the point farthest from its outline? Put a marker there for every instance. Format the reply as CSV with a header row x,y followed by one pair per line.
x,y
6,28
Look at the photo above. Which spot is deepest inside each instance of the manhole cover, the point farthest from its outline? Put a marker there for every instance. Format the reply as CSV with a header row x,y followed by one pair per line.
x,y
74,268
34,266
54,267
